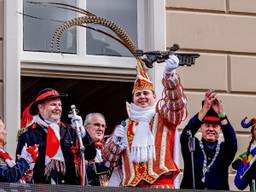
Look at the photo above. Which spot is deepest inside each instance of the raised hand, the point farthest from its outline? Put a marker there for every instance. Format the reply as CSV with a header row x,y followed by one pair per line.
x,y
209,97
217,106
171,64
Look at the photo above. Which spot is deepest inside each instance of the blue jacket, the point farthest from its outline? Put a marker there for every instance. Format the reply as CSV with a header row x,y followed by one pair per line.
x,y
13,174
217,177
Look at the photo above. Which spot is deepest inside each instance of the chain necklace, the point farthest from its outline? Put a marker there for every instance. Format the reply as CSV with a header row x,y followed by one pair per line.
x,y
205,167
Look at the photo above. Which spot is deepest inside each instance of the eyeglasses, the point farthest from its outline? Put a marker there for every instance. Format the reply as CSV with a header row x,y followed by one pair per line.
x,y
98,125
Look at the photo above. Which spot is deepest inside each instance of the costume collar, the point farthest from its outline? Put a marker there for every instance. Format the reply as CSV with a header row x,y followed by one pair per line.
x,y
54,158
142,150
138,113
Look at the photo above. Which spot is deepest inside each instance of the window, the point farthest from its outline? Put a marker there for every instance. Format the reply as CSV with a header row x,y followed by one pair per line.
x,y
26,54
122,12
41,20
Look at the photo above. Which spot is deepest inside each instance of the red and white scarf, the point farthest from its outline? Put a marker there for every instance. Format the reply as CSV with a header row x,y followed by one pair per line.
x,y
7,158
54,159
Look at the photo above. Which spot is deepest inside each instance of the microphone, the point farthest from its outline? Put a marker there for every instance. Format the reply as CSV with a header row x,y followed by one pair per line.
x,y
191,141
192,148
123,124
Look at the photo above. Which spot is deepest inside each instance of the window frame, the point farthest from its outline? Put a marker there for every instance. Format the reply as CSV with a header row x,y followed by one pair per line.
x,y
18,62
27,58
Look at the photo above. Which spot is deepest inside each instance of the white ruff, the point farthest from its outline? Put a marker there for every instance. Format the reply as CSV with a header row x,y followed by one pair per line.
x,y
143,146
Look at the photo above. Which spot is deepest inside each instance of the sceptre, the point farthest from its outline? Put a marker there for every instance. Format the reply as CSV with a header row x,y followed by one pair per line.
x,y
83,175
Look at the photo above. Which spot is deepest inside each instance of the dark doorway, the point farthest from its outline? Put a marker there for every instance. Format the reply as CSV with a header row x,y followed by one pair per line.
x,y
106,97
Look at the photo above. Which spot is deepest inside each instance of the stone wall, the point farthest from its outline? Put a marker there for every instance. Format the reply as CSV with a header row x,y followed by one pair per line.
x,y
223,33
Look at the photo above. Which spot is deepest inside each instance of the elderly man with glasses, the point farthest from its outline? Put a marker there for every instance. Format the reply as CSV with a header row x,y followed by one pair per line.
x,y
97,173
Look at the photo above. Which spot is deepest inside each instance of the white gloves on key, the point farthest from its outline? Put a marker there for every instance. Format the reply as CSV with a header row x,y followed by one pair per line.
x,y
171,64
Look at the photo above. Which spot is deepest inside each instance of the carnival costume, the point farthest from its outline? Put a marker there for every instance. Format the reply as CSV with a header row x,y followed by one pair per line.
x,y
11,171
147,148
97,172
211,159
148,161
245,163
56,161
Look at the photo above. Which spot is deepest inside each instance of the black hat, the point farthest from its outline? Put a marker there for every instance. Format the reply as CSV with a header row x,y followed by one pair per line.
x,y
211,116
44,95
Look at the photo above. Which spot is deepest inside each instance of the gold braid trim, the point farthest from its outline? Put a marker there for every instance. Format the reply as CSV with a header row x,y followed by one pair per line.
x,y
20,132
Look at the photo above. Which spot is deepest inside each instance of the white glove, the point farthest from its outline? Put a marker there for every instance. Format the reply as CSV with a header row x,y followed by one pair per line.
x,y
119,137
26,155
10,162
77,120
171,64
119,134
30,154
31,166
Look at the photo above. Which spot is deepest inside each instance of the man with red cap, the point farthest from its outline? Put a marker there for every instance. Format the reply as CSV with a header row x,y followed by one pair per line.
x,y
146,140
210,156
56,161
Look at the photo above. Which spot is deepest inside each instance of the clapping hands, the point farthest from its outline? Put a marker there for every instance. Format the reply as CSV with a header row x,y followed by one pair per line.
x,y
211,100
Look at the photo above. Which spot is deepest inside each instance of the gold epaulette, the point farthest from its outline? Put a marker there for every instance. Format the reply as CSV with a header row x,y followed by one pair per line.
x,y
21,131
